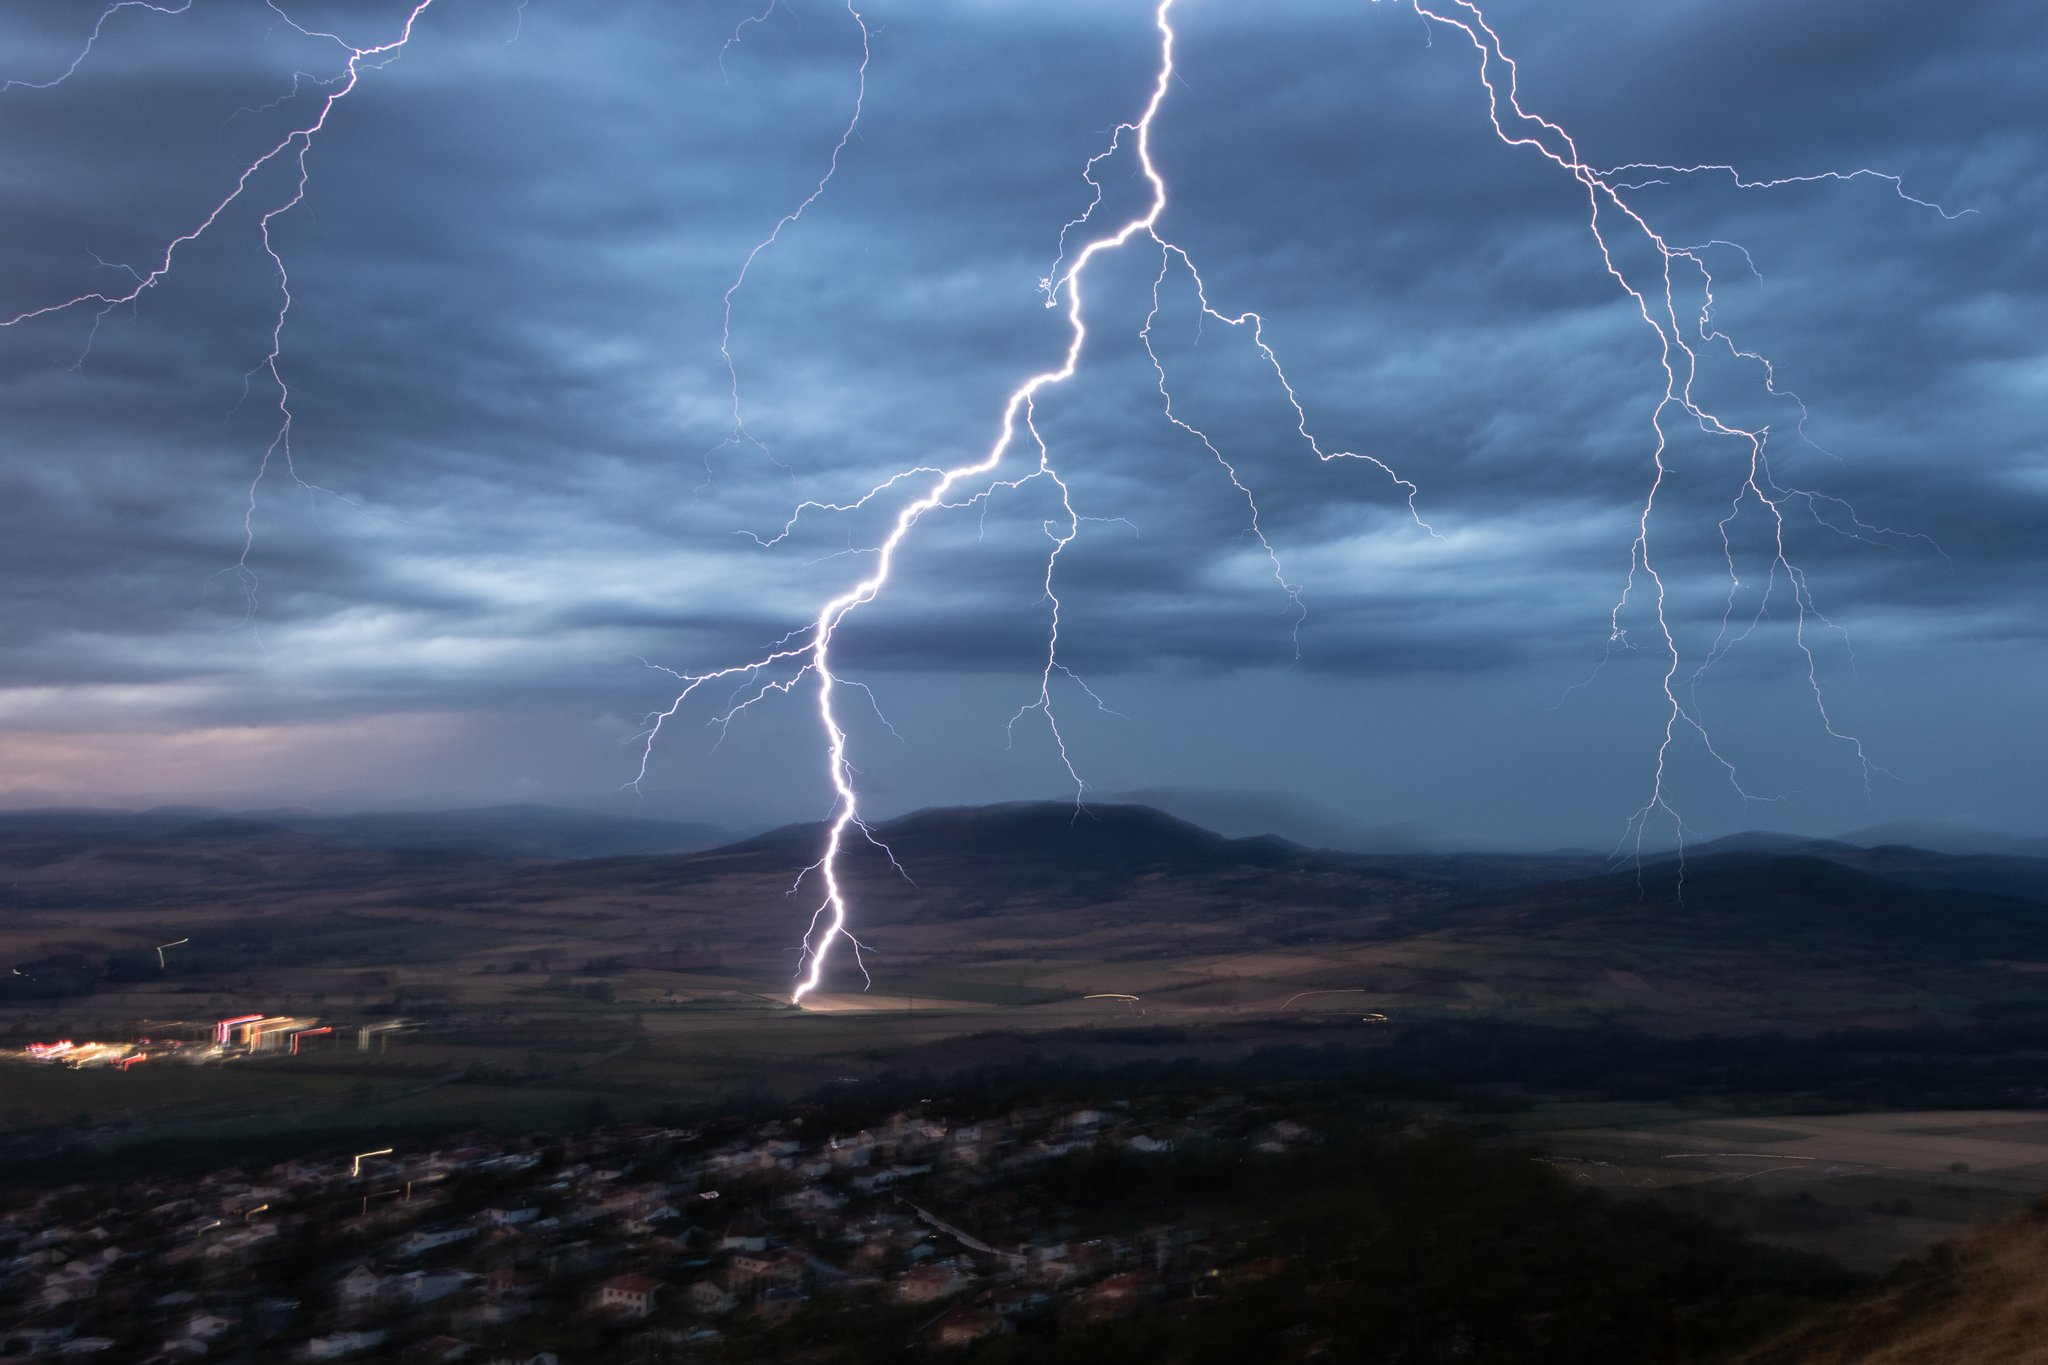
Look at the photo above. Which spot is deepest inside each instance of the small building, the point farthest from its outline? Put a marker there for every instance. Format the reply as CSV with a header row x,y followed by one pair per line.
x,y
709,1298
425,1286
780,1269
432,1239
629,1295
208,1326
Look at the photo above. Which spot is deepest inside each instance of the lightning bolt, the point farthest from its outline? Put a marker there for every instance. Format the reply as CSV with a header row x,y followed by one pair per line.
x,y
1679,352
805,658
91,40
289,153
738,433
806,654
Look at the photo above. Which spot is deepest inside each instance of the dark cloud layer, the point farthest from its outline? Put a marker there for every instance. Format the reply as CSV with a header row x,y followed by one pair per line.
x,y
507,279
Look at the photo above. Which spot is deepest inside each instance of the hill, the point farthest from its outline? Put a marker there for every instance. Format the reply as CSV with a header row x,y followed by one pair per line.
x,y
521,831
1798,908
1980,1300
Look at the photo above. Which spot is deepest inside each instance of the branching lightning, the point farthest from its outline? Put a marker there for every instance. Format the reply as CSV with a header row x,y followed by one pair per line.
x,y
809,651
92,39
289,153
1679,356
1019,454
738,433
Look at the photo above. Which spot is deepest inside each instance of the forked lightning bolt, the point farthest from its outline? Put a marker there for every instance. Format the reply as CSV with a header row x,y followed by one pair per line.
x,y
805,657
738,432
92,40
289,153
1657,300
806,654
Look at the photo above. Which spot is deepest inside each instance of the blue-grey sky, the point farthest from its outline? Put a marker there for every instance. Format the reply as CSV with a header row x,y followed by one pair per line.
x,y
507,278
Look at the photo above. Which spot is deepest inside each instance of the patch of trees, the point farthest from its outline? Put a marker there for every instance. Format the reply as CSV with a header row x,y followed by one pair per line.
x,y
1390,1250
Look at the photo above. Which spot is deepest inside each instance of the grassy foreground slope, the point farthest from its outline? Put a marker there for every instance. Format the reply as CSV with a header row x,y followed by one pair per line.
x,y
1981,1300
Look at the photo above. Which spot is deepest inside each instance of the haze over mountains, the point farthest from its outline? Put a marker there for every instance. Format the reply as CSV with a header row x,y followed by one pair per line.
x,y
534,831
547,831
1114,882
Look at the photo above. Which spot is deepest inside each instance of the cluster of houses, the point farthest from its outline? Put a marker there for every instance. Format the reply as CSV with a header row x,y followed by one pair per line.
x,y
621,1244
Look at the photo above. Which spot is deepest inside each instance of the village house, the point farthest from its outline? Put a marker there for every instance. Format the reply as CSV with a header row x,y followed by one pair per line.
x,y
339,1344
508,1216
360,1285
629,1295
425,1286
709,1298
431,1239
208,1326
779,1269
509,1284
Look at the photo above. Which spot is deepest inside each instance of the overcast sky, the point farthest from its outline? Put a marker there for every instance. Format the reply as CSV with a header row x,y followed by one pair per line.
x,y
514,423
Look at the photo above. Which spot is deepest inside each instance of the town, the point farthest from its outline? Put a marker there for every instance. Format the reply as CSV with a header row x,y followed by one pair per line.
x,y
629,1243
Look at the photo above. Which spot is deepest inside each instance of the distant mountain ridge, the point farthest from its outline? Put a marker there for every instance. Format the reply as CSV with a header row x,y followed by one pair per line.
x,y
528,831
1245,814
1016,839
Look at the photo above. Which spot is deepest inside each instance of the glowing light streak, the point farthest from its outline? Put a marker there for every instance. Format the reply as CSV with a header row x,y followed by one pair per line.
x,y
86,51
807,652
1343,990
223,1032
289,153
739,432
356,1165
1656,301
805,655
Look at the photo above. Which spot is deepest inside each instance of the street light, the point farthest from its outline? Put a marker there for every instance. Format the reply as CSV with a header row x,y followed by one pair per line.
x,y
356,1168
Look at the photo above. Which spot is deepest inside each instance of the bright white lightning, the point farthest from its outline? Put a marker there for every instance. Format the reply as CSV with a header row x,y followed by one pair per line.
x,y
809,651
92,39
738,433
1657,303
289,151
806,654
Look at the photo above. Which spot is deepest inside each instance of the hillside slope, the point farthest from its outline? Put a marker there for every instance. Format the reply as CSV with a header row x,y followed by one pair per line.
x,y
1979,1301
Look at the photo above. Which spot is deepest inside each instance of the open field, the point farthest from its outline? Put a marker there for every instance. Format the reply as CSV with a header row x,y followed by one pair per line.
x,y
1867,1188
1522,995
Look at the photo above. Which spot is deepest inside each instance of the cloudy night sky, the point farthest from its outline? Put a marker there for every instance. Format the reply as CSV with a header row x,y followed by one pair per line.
x,y
515,436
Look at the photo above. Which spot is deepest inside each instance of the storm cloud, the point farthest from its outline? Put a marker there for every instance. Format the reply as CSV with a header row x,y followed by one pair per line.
x,y
515,479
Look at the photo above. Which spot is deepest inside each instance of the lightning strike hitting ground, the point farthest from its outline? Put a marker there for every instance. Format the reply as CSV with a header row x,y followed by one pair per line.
x,y
808,651
275,182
